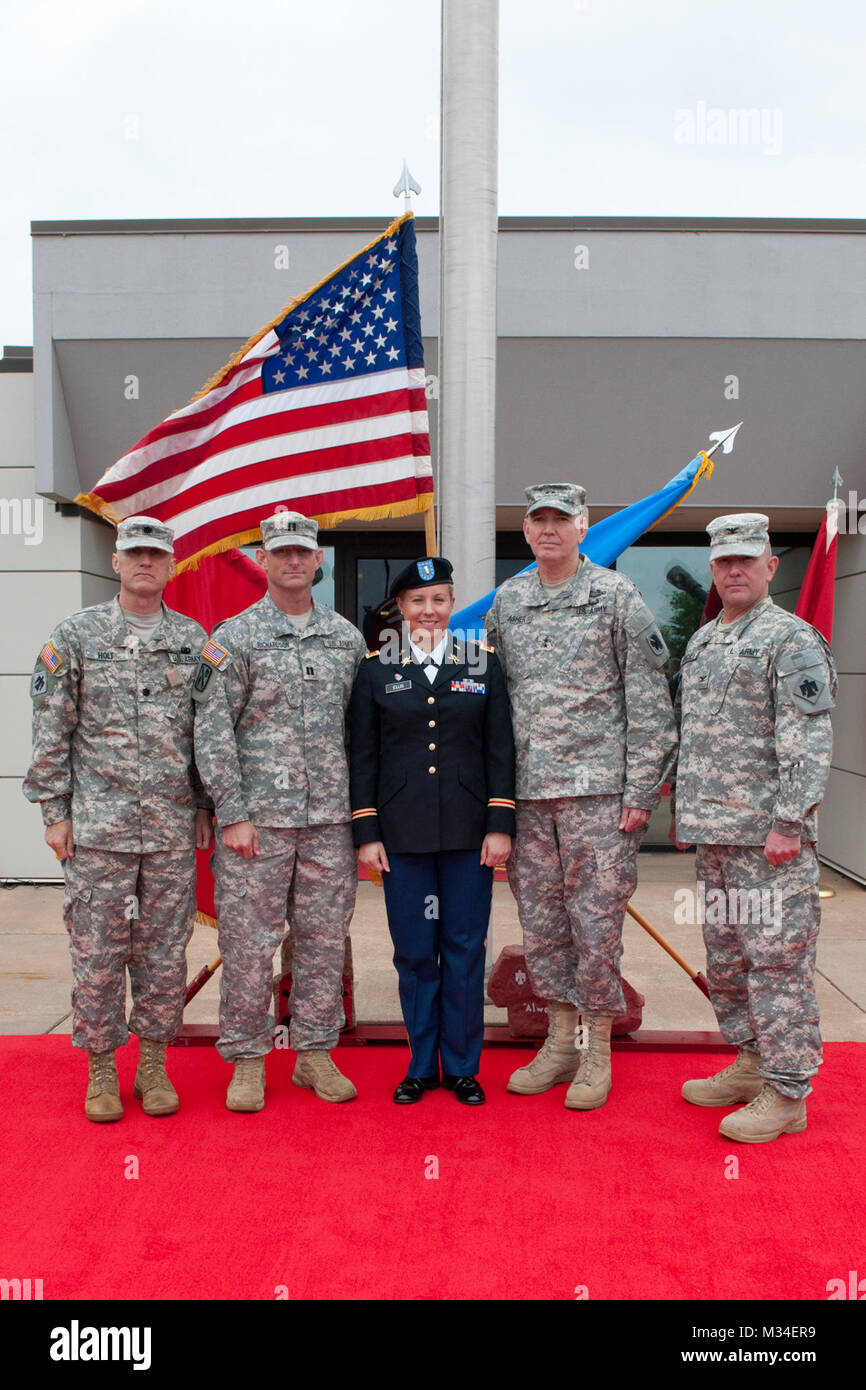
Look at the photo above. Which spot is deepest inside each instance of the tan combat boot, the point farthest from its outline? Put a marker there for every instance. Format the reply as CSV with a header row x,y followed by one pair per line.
x,y
315,1070
556,1061
764,1118
102,1102
152,1086
738,1083
590,1086
246,1090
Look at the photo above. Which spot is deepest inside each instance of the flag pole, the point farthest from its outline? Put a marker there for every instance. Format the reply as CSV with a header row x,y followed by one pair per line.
x,y
696,976
405,186
468,234
824,889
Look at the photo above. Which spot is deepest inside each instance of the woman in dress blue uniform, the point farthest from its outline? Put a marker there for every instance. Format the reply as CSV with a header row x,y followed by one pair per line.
x,y
432,788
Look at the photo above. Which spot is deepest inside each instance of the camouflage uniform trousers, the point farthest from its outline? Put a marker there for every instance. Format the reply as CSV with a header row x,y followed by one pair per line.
x,y
572,872
761,974
132,911
307,877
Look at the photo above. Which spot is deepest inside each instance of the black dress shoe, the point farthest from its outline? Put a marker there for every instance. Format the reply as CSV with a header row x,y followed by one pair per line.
x,y
465,1088
412,1088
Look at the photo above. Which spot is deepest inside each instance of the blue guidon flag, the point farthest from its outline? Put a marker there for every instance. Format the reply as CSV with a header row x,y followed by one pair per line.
x,y
608,538
324,411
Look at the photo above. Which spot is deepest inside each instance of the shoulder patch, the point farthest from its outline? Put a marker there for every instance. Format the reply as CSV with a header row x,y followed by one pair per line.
x,y
213,653
50,658
808,690
40,684
642,626
202,681
805,678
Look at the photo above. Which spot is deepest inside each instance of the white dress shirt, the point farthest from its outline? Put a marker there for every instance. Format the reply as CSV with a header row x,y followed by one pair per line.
x,y
431,661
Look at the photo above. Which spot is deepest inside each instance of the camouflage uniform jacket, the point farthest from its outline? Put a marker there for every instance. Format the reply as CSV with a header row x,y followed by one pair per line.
x,y
589,700
754,707
271,726
113,731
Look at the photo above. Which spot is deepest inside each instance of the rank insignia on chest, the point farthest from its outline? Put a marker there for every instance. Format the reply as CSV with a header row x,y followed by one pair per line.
x,y
50,658
467,687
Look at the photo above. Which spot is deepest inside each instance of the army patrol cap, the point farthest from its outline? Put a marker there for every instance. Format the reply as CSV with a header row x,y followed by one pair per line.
x,y
421,574
144,530
742,533
289,528
569,498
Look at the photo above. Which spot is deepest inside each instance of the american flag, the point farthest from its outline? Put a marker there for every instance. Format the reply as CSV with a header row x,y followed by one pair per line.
x,y
323,411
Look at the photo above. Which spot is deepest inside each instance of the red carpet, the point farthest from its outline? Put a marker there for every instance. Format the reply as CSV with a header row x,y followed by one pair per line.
x,y
531,1202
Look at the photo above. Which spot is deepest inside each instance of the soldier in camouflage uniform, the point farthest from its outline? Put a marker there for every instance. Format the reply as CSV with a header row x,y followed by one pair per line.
x,y
756,690
595,738
113,770
272,690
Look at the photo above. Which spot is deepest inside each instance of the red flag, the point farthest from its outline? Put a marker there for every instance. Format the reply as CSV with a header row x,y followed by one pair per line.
x,y
815,603
712,606
223,585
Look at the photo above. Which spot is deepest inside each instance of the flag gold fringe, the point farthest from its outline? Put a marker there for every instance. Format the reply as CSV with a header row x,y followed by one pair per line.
x,y
293,304
412,505
706,467
95,503
204,919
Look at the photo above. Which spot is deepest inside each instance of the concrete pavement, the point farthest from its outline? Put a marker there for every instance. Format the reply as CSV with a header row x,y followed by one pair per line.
x,y
35,977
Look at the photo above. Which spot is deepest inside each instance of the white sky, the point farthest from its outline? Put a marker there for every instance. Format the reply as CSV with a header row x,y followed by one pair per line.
x,y
180,108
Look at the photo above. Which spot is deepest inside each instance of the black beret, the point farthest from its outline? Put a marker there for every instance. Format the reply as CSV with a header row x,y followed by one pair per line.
x,y
432,569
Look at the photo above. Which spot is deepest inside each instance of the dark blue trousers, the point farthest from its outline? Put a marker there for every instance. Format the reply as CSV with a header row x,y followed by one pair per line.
x,y
438,911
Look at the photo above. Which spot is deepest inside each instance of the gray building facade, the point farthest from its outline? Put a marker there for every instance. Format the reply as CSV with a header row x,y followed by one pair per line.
x,y
621,343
